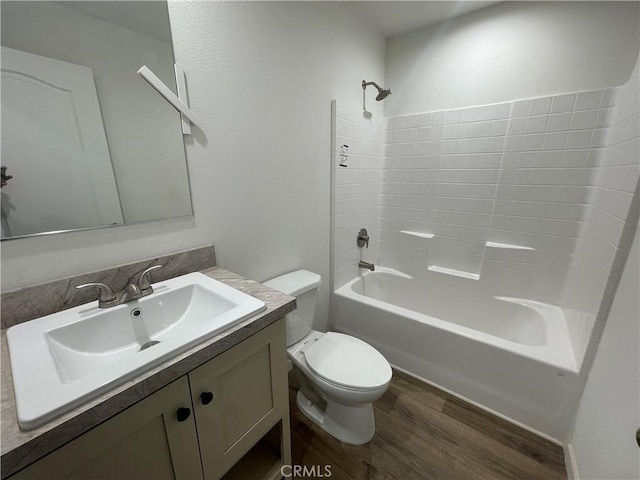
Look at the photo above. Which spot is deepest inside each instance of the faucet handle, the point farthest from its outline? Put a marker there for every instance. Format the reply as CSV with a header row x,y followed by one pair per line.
x,y
363,238
106,294
143,281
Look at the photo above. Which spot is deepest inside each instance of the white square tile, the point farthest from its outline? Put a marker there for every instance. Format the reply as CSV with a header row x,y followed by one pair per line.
x,y
588,100
559,122
516,126
451,132
436,132
536,124
513,143
579,139
574,158
599,138
425,120
530,159
437,118
584,119
397,123
498,127
448,146
496,144
451,116
409,149
481,129
410,135
604,117
563,103
411,121
397,136
396,149
554,141
607,98
424,134
532,142
467,115
551,159
539,106
501,111
484,113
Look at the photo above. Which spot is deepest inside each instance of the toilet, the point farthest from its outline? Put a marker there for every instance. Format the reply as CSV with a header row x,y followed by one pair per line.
x,y
342,374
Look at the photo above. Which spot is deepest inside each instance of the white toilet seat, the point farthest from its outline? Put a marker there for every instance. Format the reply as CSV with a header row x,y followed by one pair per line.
x,y
348,362
329,362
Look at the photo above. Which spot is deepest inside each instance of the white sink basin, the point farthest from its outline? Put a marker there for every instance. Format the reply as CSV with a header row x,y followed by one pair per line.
x,y
63,360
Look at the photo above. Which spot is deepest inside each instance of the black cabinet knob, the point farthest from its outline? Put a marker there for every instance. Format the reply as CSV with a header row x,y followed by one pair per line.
x,y
206,398
183,413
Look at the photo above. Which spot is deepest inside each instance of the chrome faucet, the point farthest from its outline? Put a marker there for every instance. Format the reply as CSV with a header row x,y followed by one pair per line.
x,y
140,287
368,265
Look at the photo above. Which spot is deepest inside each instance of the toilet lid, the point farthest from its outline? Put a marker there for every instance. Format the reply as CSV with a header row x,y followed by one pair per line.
x,y
348,361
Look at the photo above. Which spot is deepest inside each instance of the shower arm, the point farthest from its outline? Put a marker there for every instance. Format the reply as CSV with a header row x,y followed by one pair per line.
x,y
366,84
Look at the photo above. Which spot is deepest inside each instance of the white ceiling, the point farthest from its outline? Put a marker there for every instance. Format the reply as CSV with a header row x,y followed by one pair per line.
x,y
146,17
397,17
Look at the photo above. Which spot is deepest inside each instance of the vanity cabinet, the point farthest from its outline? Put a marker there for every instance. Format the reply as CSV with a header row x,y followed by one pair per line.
x,y
228,418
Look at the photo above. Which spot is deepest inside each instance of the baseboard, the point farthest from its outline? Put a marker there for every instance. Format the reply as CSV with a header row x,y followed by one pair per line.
x,y
570,462
483,407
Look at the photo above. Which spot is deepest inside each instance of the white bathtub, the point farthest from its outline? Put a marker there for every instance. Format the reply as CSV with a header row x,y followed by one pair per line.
x,y
512,356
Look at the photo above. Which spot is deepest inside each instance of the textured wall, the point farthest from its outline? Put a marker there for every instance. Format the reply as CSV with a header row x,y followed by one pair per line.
x,y
604,436
261,76
512,50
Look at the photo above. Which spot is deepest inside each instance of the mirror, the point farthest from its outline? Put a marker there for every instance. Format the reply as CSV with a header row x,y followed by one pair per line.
x,y
86,142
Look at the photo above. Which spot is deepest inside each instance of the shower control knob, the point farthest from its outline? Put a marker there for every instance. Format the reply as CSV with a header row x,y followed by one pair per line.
x,y
363,238
206,398
183,413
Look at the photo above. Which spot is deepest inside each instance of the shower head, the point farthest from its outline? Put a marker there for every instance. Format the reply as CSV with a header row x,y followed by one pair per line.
x,y
382,92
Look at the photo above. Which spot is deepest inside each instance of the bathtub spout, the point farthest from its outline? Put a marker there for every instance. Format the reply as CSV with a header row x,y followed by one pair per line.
x,y
368,265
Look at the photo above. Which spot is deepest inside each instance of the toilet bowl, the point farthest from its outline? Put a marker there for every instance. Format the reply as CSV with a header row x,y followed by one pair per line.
x,y
342,375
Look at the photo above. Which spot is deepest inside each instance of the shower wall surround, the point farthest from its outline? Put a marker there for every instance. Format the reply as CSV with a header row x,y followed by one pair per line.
x,y
610,221
515,174
357,189
534,197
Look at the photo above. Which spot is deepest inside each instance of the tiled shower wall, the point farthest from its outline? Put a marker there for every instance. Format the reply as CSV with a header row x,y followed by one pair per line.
x,y
557,175
357,190
611,219
514,173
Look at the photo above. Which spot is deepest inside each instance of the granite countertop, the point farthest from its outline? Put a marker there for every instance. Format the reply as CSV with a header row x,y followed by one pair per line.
x,y
20,448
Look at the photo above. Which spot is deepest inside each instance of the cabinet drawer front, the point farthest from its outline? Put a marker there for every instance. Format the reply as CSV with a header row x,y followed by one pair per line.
x,y
249,387
144,441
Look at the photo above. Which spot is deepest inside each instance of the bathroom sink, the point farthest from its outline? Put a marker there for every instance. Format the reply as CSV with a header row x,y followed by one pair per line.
x,y
65,359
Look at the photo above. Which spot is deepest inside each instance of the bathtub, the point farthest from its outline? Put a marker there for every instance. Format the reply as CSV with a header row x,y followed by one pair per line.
x,y
511,356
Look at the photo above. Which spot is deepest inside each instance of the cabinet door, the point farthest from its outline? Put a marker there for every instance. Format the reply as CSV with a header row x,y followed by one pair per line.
x,y
146,441
238,397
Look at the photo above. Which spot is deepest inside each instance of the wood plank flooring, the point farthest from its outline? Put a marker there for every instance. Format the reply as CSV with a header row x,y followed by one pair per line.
x,y
423,433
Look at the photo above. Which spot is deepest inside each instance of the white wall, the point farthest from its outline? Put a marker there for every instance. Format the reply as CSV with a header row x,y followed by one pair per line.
x,y
148,161
509,51
603,442
261,76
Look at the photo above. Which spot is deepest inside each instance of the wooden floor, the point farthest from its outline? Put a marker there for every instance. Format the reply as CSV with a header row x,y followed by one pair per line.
x,y
424,433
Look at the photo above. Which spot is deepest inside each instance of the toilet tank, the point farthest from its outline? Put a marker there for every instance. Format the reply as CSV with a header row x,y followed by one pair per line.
x,y
303,285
